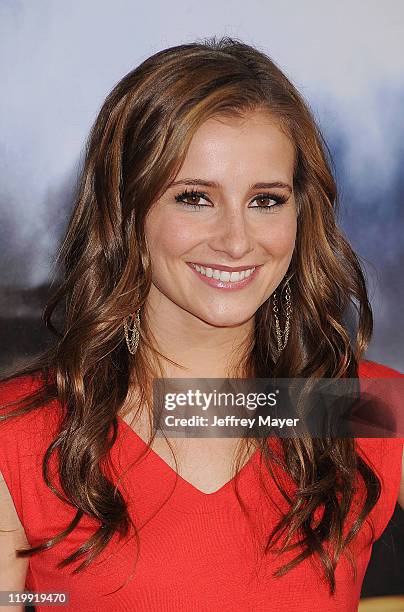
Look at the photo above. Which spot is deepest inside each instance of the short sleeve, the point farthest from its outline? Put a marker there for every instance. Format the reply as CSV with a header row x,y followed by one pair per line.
x,y
12,437
384,456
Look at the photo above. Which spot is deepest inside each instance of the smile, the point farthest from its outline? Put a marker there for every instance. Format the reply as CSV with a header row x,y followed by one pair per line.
x,y
224,279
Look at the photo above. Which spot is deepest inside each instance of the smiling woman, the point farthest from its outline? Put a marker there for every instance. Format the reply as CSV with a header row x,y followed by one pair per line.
x,y
202,245
229,228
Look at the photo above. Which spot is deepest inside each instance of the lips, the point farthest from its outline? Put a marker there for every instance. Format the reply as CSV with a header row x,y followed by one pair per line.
x,y
226,285
224,268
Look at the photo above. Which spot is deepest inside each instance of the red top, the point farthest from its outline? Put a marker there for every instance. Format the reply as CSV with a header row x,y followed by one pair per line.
x,y
198,551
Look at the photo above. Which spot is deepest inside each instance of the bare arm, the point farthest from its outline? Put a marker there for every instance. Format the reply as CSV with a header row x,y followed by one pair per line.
x,y
13,570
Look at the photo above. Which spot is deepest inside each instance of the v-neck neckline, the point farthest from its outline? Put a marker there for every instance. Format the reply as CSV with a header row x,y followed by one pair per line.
x,y
191,492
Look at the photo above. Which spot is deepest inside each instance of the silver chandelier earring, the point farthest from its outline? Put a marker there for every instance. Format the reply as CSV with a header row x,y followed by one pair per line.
x,y
131,327
282,336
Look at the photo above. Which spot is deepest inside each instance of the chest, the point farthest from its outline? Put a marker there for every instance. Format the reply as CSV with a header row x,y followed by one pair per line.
x,y
198,561
207,464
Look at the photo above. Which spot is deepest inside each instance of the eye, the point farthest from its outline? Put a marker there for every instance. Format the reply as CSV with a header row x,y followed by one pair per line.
x,y
279,201
191,195
197,195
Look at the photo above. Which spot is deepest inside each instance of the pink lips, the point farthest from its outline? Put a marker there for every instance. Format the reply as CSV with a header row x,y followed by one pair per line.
x,y
219,284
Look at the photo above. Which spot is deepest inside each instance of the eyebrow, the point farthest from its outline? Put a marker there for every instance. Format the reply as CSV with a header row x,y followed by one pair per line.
x,y
197,181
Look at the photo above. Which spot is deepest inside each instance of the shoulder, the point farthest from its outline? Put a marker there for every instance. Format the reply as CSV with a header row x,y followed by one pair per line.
x,y
389,392
12,392
384,455
24,441
32,424
373,369
18,387
386,385
25,435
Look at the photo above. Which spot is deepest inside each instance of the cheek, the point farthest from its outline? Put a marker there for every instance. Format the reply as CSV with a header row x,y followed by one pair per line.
x,y
279,238
169,236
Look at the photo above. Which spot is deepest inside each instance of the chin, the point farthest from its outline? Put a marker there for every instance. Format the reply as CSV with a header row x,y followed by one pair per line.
x,y
224,319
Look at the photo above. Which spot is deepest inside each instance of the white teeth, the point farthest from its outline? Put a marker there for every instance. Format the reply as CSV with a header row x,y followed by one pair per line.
x,y
222,274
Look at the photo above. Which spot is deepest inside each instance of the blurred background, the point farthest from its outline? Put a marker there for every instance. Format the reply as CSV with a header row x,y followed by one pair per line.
x,y
59,61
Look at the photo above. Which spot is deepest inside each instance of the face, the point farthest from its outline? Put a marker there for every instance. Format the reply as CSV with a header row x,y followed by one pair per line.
x,y
240,234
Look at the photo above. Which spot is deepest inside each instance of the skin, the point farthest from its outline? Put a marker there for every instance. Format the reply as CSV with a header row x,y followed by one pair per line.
x,y
197,325
193,323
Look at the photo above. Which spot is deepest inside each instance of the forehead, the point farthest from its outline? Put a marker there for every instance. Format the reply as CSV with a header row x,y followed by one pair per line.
x,y
254,143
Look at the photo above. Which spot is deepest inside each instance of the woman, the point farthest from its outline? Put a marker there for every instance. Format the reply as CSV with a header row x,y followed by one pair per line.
x,y
203,163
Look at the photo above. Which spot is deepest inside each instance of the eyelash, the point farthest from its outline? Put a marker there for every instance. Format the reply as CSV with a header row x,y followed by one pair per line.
x,y
280,200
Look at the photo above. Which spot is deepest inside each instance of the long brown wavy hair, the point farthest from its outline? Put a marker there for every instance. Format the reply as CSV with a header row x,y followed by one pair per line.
x,y
135,148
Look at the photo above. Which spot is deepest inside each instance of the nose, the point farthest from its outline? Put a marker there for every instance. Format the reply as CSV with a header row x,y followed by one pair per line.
x,y
232,235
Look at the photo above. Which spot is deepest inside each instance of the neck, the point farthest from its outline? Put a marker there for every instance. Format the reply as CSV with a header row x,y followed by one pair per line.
x,y
201,350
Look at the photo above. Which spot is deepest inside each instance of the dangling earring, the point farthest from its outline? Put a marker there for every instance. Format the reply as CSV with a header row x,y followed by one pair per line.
x,y
282,336
131,326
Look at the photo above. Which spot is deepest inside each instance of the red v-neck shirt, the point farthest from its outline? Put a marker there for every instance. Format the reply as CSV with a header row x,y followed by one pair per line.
x,y
198,552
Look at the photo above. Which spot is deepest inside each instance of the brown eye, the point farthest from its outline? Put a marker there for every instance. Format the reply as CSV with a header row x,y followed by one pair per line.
x,y
193,197
188,195
265,197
